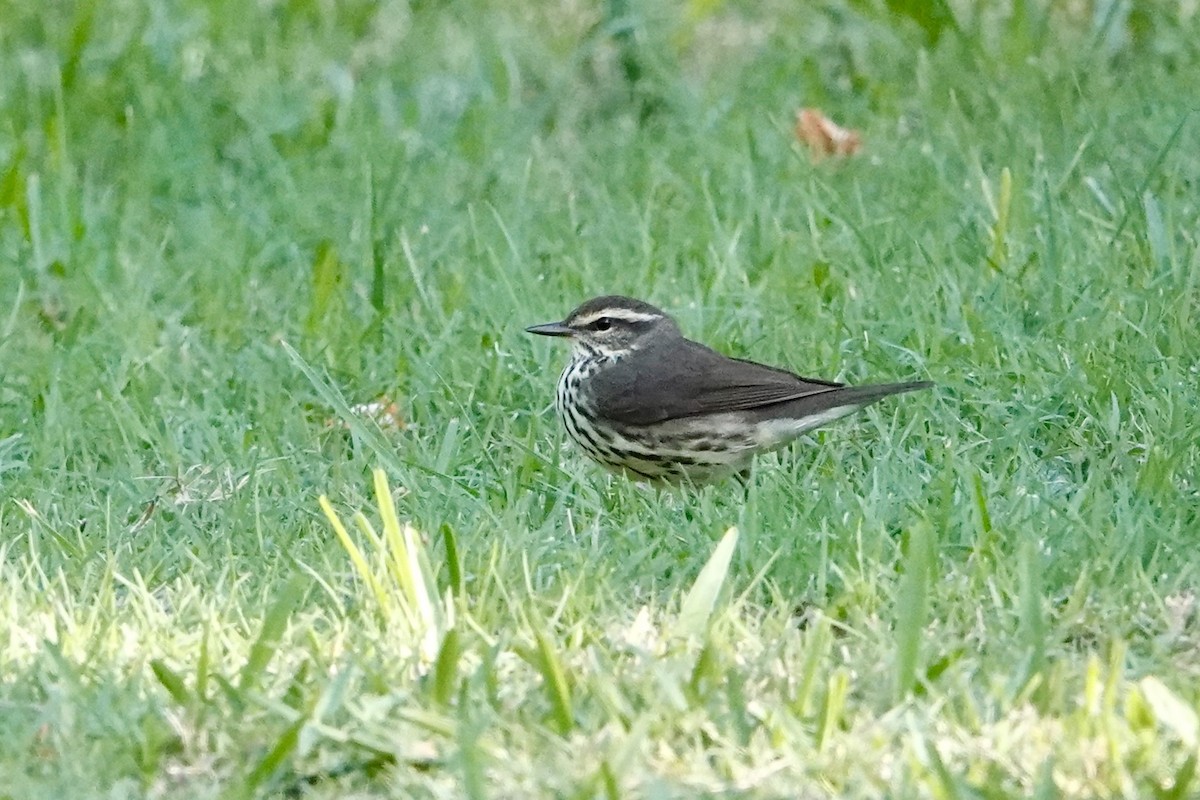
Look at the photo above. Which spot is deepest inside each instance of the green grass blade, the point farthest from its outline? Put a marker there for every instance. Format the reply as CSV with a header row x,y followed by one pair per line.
x,y
1184,777
204,664
1003,206
384,450
1156,233
170,681
981,504
471,756
1031,593
554,678
912,608
445,669
275,758
1151,173
333,696
327,275
453,564
273,625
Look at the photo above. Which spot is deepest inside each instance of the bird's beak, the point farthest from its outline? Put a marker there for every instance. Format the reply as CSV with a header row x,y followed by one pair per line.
x,y
550,329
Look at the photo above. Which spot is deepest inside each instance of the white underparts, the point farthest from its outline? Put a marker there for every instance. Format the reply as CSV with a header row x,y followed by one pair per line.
x,y
777,432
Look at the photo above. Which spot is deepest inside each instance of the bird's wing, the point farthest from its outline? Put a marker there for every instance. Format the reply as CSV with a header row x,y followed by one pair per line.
x,y
690,380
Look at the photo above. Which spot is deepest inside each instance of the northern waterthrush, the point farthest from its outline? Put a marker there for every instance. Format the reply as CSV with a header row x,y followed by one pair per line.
x,y
640,398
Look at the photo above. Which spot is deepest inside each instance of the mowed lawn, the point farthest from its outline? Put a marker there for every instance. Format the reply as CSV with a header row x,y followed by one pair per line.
x,y
224,227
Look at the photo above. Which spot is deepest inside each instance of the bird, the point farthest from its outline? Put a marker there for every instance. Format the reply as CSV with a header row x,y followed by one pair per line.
x,y
643,400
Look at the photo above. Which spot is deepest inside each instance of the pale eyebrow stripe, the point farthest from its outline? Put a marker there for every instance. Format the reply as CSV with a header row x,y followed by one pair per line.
x,y
623,314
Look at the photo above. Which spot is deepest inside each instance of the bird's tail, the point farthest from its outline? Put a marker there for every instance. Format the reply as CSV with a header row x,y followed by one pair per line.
x,y
865,395
794,417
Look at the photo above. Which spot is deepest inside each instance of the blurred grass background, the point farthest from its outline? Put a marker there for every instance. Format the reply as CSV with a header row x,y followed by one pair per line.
x,y
986,592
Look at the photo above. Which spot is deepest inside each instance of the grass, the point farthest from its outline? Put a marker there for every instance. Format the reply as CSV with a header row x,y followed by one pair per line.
x,y
223,225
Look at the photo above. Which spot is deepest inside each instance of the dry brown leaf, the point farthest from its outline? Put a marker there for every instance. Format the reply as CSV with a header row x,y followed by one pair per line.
x,y
384,412
823,136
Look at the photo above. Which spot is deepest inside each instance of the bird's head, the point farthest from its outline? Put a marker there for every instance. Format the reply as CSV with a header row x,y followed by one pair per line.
x,y
611,326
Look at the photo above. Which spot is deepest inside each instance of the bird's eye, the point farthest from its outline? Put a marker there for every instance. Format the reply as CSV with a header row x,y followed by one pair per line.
x,y
603,324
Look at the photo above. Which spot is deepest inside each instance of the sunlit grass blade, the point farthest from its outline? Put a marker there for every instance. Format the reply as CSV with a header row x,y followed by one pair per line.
x,y
836,690
698,603
817,645
400,577
204,664
1171,711
357,559
412,571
